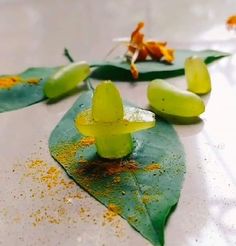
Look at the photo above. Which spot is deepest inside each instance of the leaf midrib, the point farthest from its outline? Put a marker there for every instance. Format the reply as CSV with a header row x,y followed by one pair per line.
x,y
145,206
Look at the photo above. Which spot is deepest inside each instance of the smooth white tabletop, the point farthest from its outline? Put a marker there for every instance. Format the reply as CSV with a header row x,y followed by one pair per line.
x,y
34,33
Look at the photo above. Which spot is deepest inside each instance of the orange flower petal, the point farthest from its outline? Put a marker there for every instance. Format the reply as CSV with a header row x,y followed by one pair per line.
x,y
134,70
143,53
167,53
136,36
231,22
153,50
157,50
139,50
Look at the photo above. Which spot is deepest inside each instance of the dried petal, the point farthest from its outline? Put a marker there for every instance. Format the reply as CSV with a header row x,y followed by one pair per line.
x,y
136,36
158,50
134,70
140,49
231,22
143,53
154,50
167,53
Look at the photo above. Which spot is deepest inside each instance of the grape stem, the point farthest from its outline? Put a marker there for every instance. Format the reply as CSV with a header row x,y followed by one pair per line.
x,y
68,55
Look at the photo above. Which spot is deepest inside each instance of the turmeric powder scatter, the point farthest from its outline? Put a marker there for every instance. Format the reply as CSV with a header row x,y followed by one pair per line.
x,y
54,198
153,167
7,82
51,186
66,152
111,217
33,81
111,213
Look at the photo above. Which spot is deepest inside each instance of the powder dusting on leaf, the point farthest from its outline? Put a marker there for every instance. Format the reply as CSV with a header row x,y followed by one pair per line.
x,y
86,141
66,152
111,212
108,168
33,81
153,167
7,82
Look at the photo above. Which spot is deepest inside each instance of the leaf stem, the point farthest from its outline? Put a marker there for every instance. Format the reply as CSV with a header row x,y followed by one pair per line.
x,y
68,55
89,84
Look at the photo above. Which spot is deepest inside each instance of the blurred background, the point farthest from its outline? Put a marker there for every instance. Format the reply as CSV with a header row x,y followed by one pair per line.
x,y
35,32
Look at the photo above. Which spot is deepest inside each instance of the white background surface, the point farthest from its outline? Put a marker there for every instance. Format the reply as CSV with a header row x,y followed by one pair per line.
x,y
34,33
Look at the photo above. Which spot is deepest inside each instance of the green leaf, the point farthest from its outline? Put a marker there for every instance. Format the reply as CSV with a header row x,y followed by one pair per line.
x,y
144,187
119,69
24,94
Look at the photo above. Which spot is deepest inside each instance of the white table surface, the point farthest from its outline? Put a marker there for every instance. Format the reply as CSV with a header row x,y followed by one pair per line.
x,y
34,33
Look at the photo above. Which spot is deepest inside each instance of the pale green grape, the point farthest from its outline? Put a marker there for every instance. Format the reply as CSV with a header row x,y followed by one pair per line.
x,y
107,103
168,99
111,123
135,119
197,75
66,79
114,146
107,106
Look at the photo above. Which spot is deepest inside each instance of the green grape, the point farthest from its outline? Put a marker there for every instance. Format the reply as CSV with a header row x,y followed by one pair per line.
x,y
107,106
107,100
197,75
114,146
135,119
66,79
167,99
111,123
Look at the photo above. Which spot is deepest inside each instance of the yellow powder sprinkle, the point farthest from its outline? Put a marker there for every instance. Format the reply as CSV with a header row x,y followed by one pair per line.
x,y
83,161
66,152
8,82
87,141
33,81
36,163
116,179
149,198
52,177
50,185
59,198
111,213
152,167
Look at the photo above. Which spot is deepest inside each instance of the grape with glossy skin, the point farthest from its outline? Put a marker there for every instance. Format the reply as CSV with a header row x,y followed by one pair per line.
x,y
110,123
134,119
168,99
197,76
107,106
66,79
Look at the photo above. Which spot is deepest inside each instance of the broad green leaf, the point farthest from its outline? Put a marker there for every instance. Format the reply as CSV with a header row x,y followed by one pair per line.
x,y
119,69
24,94
143,188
